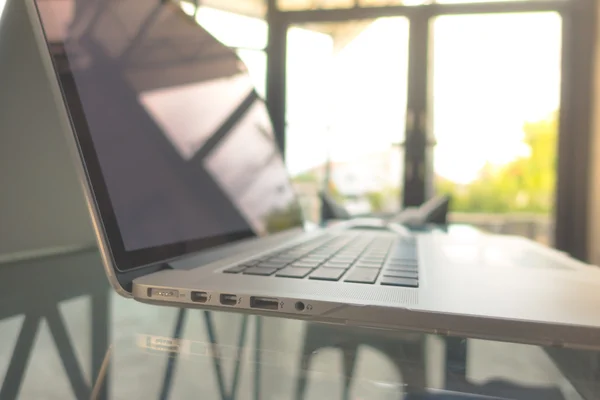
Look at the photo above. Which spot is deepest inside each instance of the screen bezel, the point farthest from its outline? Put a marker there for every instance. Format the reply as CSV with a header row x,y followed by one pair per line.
x,y
123,260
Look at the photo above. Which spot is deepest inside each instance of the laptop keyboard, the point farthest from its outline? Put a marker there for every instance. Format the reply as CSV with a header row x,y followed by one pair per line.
x,y
363,259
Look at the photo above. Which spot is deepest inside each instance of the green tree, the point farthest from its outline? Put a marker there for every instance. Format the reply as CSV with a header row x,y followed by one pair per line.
x,y
376,200
284,218
536,174
306,177
525,184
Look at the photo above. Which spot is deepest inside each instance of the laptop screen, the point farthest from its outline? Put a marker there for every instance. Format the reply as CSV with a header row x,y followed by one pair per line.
x,y
178,148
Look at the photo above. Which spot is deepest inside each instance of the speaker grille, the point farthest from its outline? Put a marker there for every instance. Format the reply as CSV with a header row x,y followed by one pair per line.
x,y
370,293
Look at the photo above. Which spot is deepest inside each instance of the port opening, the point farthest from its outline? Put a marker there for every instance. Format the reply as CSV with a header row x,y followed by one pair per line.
x,y
265,303
199,297
300,306
228,299
163,293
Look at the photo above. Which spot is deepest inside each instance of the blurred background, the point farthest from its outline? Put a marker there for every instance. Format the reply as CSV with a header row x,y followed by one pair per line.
x,y
383,104
386,103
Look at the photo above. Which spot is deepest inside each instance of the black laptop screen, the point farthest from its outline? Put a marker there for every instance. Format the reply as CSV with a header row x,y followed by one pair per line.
x,y
178,148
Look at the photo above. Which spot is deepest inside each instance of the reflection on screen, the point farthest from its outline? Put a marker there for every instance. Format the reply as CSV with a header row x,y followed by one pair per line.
x,y
185,146
190,114
248,167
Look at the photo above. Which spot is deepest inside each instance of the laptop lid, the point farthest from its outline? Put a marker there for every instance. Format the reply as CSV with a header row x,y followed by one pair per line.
x,y
177,147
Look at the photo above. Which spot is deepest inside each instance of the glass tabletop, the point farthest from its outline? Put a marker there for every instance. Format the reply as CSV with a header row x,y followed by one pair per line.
x,y
65,334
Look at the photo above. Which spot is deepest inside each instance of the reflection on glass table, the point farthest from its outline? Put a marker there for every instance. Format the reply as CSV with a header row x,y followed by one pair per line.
x,y
67,335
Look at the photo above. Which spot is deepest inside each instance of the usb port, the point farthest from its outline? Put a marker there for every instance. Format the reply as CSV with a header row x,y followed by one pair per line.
x,y
265,303
199,297
228,299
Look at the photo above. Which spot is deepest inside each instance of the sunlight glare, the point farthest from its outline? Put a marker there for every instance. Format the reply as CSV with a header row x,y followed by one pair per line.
x,y
187,7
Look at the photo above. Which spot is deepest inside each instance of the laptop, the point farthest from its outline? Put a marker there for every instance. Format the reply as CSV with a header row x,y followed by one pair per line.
x,y
191,204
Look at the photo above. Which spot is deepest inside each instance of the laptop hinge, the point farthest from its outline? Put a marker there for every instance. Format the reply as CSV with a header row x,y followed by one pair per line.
x,y
126,278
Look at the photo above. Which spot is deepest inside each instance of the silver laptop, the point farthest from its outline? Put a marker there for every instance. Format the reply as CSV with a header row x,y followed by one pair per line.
x,y
192,206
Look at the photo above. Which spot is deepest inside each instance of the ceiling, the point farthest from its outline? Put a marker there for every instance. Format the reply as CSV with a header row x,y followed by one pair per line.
x,y
341,32
288,5
251,8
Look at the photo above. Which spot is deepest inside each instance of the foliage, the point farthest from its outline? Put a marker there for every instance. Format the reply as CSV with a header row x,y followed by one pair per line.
x,y
284,218
334,192
312,177
376,200
306,177
385,200
525,184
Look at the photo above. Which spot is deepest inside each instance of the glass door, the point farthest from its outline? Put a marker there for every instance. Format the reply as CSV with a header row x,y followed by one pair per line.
x,y
479,86
346,107
495,98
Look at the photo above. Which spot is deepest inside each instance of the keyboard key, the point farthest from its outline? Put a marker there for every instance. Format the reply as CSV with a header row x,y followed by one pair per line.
x,y
402,261
260,271
271,264
375,256
306,264
390,281
327,274
340,264
404,252
337,261
401,274
367,265
362,275
363,261
404,247
235,270
313,259
382,247
402,264
322,254
295,253
283,259
292,272
349,252
251,263
373,259
403,258
330,264
401,269
341,258
355,249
